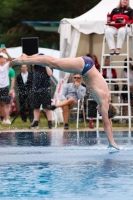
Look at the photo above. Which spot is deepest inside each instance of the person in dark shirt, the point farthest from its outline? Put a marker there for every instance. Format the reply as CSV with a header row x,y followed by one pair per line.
x,y
41,93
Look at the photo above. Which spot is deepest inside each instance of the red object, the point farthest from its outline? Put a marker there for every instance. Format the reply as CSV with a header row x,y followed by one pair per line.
x,y
126,17
113,73
91,123
108,18
14,109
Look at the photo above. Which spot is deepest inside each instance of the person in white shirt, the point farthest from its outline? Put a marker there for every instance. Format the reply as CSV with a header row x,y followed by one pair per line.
x,y
24,83
4,83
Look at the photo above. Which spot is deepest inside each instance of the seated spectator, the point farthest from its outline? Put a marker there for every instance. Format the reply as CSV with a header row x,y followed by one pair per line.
x,y
71,93
110,72
120,16
124,87
24,84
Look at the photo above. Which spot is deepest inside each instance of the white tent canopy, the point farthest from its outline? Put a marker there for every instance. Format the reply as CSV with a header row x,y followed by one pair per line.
x,y
92,21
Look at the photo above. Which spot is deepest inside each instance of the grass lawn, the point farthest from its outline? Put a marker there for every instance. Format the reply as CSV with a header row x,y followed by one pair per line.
x,y
19,124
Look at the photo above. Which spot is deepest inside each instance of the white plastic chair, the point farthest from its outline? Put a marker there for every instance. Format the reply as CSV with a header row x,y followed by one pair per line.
x,y
78,108
57,113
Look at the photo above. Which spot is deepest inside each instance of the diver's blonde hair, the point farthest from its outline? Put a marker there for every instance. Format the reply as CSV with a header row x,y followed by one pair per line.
x,y
119,5
113,111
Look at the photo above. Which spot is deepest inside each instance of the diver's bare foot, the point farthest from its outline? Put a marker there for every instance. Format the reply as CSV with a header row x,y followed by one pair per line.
x,y
24,55
19,60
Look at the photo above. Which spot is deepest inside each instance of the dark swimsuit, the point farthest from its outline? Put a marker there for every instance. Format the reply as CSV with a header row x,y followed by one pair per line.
x,y
88,64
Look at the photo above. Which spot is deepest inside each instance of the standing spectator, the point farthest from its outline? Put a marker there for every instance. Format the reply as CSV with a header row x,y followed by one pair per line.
x,y
24,84
71,93
4,83
11,75
41,93
124,87
118,26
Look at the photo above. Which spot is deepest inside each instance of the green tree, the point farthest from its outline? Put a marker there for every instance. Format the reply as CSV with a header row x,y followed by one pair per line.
x,y
13,12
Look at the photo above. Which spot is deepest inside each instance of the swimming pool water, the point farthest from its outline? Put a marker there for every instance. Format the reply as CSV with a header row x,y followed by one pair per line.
x,y
65,165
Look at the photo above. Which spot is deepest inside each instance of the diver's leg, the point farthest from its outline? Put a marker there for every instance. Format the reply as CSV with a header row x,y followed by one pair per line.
x,y
71,65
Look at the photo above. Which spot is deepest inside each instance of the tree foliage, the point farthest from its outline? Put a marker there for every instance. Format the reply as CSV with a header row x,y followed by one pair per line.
x,y
13,12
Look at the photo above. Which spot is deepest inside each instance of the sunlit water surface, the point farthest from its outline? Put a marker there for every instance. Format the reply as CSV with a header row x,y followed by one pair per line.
x,y
65,165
